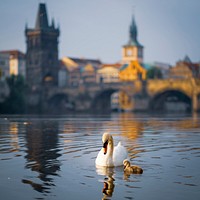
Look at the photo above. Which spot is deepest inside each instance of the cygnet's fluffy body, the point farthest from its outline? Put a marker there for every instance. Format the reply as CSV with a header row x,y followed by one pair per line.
x,y
131,169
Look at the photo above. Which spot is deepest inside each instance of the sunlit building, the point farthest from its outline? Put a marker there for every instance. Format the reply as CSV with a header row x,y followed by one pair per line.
x,y
17,62
68,72
76,71
132,71
96,63
108,73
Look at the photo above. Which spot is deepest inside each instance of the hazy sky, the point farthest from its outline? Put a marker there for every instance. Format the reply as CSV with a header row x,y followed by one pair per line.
x,y
168,29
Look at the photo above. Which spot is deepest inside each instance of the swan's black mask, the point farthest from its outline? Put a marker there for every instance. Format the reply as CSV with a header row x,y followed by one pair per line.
x,y
105,144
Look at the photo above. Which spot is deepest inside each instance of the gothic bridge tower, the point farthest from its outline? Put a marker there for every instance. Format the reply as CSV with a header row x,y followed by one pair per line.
x,y
42,51
133,50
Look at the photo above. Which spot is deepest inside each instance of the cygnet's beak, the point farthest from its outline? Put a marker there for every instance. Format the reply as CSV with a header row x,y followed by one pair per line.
x,y
105,145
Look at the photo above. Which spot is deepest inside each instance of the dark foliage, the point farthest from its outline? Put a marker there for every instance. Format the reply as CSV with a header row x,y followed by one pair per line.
x,y
15,103
154,73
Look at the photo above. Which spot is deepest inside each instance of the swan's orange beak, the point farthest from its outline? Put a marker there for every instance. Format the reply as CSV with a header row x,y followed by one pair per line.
x,y
105,150
105,145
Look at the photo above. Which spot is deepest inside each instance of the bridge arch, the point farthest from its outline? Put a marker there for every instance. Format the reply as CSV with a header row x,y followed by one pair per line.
x,y
102,100
171,100
59,103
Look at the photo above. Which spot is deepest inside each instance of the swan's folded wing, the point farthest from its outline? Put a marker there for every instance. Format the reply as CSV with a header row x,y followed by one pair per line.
x,y
119,155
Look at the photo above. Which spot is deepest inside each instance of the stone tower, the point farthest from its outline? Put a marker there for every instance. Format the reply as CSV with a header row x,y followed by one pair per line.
x,y
133,50
42,52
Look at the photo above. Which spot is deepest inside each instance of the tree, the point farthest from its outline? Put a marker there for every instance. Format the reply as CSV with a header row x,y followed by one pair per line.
x,y
154,73
15,103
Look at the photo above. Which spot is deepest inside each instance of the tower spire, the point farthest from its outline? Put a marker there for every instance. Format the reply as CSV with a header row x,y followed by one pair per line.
x,y
132,50
133,31
41,19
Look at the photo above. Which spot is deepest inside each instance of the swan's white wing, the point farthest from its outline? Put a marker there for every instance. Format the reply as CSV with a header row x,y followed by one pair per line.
x,y
103,160
100,160
119,155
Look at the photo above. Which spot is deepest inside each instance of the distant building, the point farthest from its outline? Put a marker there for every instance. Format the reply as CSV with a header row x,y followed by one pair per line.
x,y
133,50
68,73
132,71
108,74
42,51
88,74
185,69
4,65
17,62
74,71
96,63
164,68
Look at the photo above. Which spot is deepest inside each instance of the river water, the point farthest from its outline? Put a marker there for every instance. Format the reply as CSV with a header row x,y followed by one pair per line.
x,y
53,157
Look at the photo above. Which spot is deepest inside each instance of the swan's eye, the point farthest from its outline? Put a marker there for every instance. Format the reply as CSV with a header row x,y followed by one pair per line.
x,y
105,144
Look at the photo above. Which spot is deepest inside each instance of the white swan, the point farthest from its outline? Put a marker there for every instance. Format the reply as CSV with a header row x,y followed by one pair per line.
x,y
110,156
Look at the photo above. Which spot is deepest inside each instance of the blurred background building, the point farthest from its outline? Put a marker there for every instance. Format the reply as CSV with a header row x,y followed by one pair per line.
x,y
42,67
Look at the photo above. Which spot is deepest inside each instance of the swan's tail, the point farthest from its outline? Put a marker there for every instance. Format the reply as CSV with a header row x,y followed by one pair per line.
x,y
119,144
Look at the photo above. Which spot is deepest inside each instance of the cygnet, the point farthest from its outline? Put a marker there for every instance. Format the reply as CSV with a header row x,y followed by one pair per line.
x,y
131,169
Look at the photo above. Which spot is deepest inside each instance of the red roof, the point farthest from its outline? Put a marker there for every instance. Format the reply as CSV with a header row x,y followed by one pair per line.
x,y
15,53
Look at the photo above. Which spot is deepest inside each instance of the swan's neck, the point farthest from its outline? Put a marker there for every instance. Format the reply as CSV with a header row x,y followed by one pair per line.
x,y
110,148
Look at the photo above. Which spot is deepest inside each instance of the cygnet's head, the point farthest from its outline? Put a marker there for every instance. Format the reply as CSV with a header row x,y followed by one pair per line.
x,y
126,163
106,138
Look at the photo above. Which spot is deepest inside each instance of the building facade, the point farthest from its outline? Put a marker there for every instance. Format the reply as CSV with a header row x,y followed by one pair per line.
x,y
42,61
185,69
4,65
107,74
132,71
88,74
17,62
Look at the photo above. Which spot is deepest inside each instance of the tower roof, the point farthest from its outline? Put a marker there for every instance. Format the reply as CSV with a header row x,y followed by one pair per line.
x,y
41,19
187,59
133,34
41,23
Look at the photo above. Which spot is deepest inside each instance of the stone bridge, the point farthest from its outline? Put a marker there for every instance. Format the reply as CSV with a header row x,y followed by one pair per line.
x,y
169,90
146,95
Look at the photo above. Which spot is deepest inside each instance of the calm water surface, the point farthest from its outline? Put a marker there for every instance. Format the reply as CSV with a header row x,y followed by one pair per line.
x,y
54,157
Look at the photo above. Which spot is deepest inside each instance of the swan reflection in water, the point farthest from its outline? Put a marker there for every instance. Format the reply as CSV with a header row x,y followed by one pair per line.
x,y
108,183
108,187
109,176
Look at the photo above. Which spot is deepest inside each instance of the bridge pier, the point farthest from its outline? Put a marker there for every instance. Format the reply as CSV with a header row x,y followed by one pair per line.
x,y
196,103
141,104
195,96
